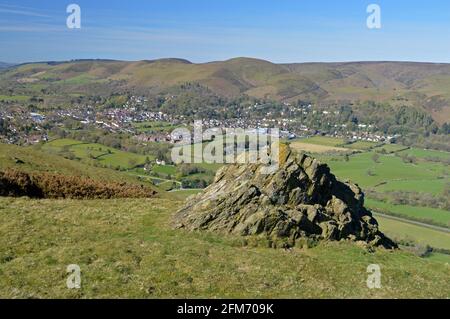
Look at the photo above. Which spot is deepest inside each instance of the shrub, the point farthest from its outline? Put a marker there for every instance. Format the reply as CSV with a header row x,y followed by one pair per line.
x,y
46,185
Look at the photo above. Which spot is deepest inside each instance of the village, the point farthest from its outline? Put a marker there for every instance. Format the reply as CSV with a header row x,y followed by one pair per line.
x,y
20,126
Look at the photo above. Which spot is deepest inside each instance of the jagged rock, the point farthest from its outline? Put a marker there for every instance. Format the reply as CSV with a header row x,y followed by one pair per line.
x,y
300,199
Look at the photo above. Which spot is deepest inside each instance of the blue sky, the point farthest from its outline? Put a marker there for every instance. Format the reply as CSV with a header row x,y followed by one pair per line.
x,y
207,30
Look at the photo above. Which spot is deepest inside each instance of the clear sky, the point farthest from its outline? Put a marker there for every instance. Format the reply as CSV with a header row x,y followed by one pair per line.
x,y
206,30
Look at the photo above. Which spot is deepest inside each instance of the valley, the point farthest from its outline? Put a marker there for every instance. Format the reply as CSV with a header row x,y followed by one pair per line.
x,y
383,126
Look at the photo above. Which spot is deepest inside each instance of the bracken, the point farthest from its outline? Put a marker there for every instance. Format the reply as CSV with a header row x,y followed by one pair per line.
x,y
46,185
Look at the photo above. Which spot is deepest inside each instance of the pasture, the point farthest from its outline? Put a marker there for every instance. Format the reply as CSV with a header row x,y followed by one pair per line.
x,y
361,145
323,140
93,152
362,169
128,249
404,231
315,148
437,216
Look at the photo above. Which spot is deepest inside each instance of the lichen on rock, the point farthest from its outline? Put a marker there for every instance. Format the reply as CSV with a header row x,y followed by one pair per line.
x,y
301,199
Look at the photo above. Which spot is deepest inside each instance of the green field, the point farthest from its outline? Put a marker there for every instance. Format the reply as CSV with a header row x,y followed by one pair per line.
x,y
362,169
425,236
361,145
421,153
127,248
443,258
14,98
92,152
431,186
165,169
157,126
438,216
323,140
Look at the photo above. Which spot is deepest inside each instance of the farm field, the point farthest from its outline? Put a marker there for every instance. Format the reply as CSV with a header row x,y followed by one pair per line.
x,y
127,248
421,153
443,258
423,214
14,98
431,186
159,126
323,140
93,152
361,145
403,231
165,169
315,148
362,169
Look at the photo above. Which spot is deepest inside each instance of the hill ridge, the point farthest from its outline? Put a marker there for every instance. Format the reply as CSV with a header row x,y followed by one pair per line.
x,y
423,85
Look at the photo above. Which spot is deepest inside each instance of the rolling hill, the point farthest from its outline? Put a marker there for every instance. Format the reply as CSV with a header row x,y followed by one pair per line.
x,y
423,85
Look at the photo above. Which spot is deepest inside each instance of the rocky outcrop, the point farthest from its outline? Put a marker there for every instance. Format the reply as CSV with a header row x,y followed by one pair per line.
x,y
301,199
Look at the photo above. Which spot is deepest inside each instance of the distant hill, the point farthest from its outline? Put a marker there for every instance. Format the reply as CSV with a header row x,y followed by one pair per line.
x,y
424,85
4,65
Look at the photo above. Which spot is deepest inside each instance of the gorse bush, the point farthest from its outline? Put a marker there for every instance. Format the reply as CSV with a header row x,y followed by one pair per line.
x,y
46,185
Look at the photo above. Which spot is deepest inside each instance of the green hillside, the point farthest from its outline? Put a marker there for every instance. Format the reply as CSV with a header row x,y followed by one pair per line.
x,y
30,159
126,248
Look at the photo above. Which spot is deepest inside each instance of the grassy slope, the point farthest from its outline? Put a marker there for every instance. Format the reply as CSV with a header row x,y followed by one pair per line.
x,y
127,249
35,160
